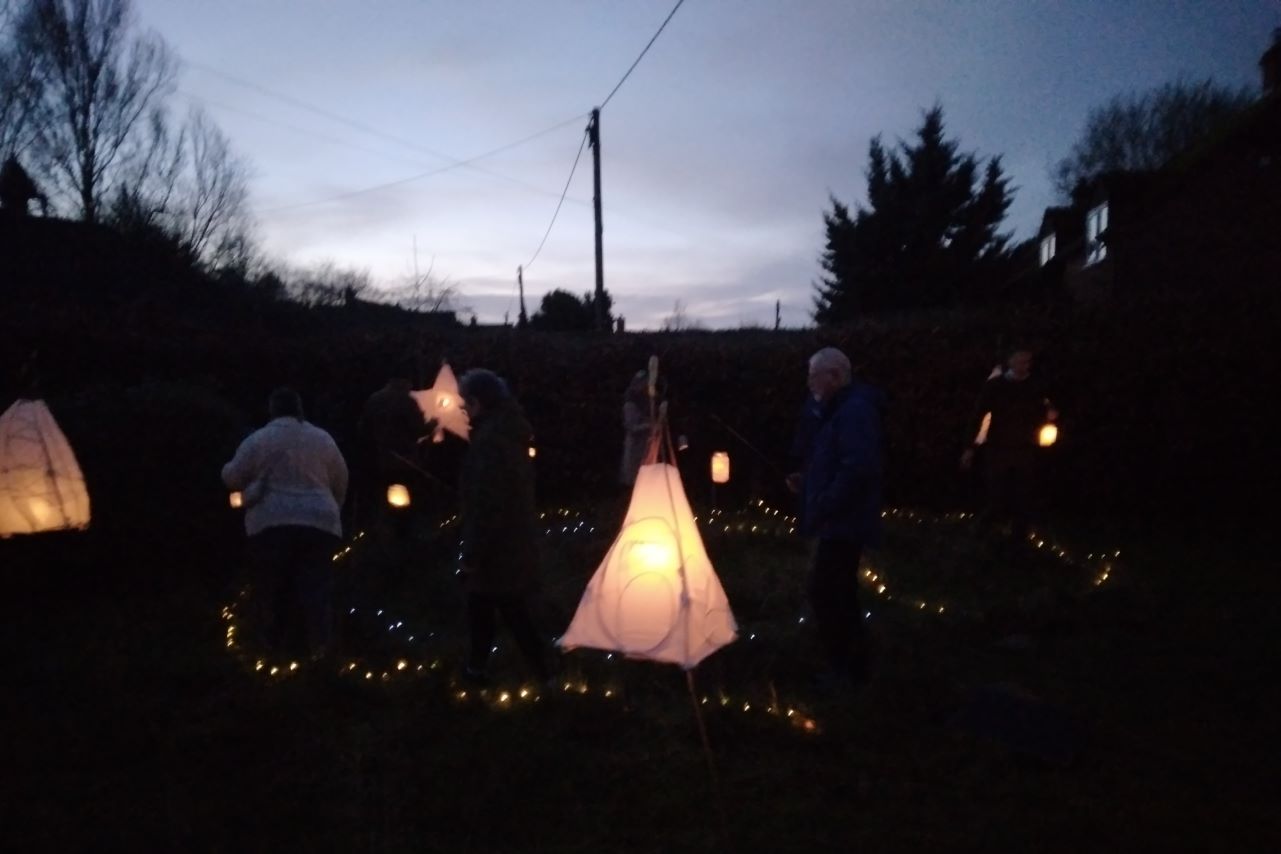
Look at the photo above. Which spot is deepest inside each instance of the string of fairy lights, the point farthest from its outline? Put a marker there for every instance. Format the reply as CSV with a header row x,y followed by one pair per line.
x,y
757,519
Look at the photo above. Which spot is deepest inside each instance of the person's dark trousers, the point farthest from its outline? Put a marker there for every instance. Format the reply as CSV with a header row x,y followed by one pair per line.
x,y
293,567
833,594
1012,489
482,618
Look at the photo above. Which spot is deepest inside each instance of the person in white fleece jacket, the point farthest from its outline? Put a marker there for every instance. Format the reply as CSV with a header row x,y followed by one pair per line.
x,y
293,480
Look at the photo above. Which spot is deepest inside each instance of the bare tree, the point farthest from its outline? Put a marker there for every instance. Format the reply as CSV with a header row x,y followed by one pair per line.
x,y
148,184
100,81
190,185
424,290
19,86
1144,131
326,284
215,221
679,320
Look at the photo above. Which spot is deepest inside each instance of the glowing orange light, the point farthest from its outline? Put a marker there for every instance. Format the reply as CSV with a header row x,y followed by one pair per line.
x,y
398,495
720,467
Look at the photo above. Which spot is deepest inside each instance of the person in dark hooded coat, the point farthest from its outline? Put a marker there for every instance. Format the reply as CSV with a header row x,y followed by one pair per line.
x,y
499,551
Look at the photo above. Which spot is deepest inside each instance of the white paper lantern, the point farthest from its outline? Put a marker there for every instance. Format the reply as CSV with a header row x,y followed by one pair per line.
x,y
655,595
236,500
443,403
41,486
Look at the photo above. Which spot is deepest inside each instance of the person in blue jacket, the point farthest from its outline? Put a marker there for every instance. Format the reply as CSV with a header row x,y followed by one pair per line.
x,y
840,450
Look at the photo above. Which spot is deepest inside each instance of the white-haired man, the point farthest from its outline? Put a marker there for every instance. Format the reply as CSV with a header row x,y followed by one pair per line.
x,y
839,448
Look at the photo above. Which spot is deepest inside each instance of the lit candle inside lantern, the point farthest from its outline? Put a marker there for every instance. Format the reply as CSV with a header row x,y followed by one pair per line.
x,y
236,500
720,467
1048,436
652,557
398,495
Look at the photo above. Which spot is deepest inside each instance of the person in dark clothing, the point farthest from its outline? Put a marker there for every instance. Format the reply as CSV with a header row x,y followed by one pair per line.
x,y
499,550
1012,408
390,425
839,446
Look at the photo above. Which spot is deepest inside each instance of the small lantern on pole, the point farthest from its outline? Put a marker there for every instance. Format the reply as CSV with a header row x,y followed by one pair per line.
x,y
1048,436
398,495
720,467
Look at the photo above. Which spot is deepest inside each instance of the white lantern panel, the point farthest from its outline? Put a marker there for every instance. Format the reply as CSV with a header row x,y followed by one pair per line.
x,y
41,485
655,595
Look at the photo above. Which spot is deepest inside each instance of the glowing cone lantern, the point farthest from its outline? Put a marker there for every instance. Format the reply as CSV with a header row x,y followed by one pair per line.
x,y
444,404
656,595
1048,436
236,500
398,495
41,485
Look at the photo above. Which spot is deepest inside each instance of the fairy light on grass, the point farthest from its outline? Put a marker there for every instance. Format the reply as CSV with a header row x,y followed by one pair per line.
x,y
763,521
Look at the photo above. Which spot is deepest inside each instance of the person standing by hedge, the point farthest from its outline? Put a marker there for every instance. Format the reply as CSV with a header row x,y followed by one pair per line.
x,y
841,448
294,480
1012,408
499,550
636,428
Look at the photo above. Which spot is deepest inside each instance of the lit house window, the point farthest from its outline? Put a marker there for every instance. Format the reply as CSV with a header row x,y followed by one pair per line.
x,y
1096,222
1047,249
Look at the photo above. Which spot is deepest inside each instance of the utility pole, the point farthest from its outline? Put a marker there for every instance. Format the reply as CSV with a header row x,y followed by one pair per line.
x,y
593,139
778,314
520,282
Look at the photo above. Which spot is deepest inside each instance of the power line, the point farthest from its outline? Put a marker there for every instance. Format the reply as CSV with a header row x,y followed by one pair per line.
x,y
555,213
642,54
320,111
332,140
312,134
421,175
360,126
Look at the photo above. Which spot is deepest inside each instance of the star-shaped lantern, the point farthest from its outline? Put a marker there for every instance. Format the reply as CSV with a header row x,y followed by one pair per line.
x,y
443,404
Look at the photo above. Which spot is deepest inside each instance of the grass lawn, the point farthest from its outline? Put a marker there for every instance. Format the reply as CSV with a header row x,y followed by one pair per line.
x,y
131,727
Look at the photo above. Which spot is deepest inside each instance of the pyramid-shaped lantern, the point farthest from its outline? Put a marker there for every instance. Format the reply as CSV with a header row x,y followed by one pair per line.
x,y
41,486
444,404
655,595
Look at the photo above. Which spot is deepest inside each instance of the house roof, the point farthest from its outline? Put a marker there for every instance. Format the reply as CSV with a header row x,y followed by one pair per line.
x,y
1064,222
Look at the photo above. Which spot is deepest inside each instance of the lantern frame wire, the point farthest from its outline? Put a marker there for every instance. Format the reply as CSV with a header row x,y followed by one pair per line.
x,y
660,449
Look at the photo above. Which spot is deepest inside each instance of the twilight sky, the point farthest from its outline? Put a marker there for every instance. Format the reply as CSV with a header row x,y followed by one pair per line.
x,y
719,151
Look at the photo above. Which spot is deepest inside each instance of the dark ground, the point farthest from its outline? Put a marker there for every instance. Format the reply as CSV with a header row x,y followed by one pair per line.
x,y
129,727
